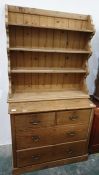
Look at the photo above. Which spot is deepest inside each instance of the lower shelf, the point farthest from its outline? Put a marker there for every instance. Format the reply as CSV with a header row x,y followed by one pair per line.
x,y
48,95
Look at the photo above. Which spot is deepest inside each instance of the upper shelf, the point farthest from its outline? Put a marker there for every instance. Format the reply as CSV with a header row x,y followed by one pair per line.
x,y
89,31
49,50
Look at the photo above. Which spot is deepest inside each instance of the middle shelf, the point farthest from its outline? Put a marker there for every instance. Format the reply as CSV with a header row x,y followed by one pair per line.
x,y
49,50
47,70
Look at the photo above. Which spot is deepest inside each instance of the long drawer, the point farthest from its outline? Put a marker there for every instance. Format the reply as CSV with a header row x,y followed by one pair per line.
x,y
50,136
45,154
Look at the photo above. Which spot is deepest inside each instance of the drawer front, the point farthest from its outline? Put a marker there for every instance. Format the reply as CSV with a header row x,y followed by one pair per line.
x,y
71,133
70,150
41,155
35,120
73,116
50,135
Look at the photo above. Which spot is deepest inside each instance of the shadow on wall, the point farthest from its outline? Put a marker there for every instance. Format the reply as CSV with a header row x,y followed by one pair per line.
x,y
93,64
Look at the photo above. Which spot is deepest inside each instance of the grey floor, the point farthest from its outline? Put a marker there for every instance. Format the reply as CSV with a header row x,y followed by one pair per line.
x,y
90,167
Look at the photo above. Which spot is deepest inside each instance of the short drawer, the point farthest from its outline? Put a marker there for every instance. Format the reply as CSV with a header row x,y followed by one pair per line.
x,y
50,136
45,154
73,116
35,120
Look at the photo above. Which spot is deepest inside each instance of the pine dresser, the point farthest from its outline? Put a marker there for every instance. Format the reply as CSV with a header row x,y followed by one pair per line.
x,y
49,105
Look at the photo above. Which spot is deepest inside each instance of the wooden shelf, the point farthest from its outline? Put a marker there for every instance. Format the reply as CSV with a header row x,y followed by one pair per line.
x,y
46,56
48,95
49,50
90,31
47,70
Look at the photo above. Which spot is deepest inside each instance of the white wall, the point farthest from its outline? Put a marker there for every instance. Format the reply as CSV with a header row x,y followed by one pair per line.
x,y
76,6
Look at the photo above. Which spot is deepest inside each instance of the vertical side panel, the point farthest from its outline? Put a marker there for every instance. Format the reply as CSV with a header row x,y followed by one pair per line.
x,y
12,119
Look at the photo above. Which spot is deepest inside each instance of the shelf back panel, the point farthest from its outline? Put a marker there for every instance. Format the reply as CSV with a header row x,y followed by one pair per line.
x,y
46,82
47,38
46,60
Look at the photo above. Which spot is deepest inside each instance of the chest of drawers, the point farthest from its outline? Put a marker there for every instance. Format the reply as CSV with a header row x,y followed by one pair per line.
x,y
37,132
46,139
49,108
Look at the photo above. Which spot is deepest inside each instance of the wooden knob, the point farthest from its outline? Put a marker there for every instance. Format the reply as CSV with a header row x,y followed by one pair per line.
x,y
35,157
73,117
69,151
71,133
35,122
36,138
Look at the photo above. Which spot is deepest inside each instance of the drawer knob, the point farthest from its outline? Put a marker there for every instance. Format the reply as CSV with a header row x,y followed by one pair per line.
x,y
35,158
73,117
36,138
69,151
71,133
35,122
